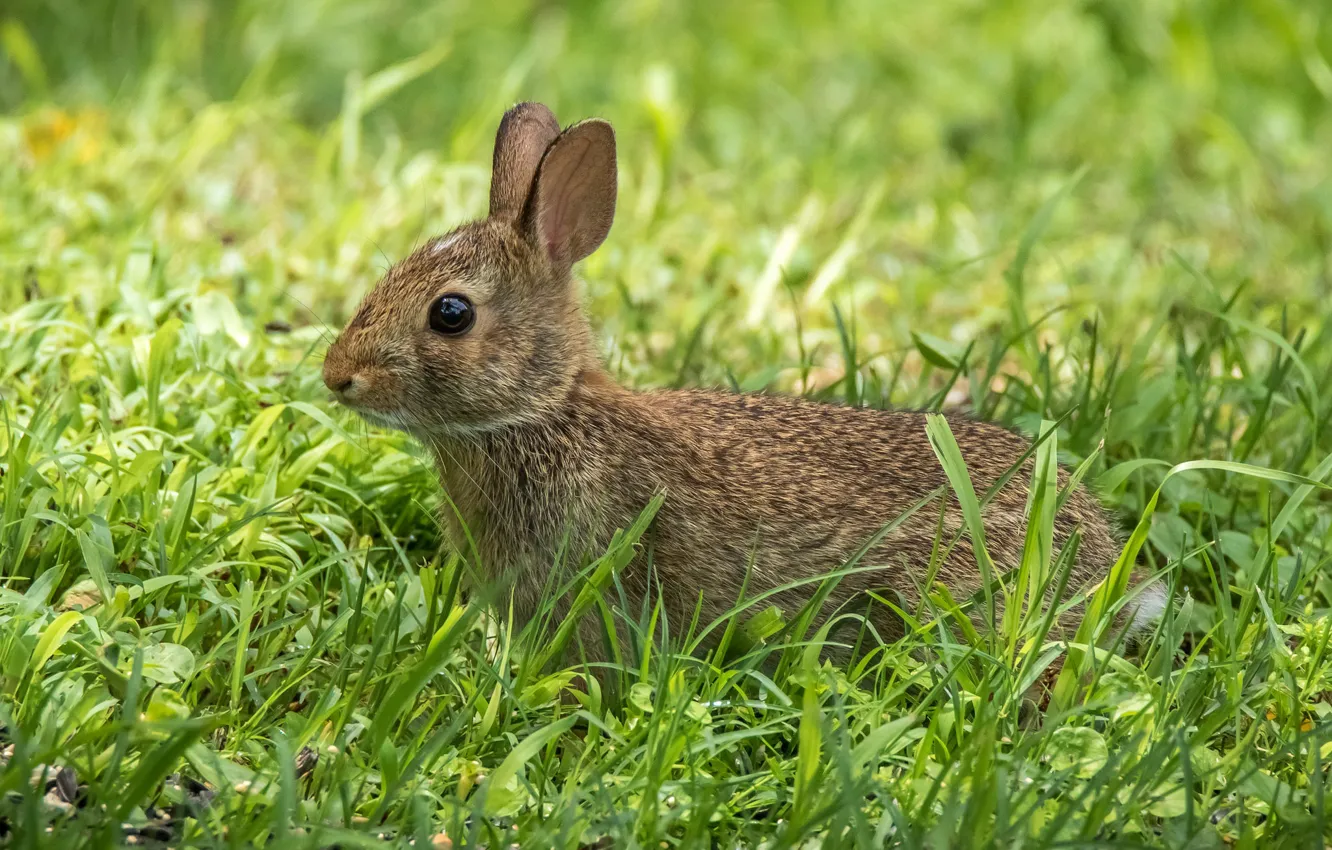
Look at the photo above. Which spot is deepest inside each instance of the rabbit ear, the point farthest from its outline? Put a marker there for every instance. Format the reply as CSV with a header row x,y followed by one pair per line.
x,y
573,201
523,136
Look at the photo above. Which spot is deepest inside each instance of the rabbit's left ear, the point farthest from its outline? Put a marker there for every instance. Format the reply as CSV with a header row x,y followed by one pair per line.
x,y
573,200
524,134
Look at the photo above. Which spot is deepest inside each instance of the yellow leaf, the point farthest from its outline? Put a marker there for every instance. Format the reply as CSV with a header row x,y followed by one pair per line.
x,y
52,636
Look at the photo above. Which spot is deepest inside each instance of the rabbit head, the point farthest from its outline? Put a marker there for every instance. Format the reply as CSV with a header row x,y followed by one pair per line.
x,y
481,328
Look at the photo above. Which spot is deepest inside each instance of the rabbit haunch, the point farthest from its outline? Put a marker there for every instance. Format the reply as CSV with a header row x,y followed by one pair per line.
x,y
545,456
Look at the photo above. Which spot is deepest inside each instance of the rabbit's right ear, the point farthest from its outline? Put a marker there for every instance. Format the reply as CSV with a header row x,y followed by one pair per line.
x,y
573,202
525,132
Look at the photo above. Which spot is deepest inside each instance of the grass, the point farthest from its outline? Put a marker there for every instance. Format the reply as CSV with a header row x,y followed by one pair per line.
x,y
225,620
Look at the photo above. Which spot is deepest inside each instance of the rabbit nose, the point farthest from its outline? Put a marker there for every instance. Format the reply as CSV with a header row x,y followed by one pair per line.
x,y
347,389
338,378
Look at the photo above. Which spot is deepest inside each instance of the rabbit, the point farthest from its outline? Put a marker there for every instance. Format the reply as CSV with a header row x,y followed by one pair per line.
x,y
476,344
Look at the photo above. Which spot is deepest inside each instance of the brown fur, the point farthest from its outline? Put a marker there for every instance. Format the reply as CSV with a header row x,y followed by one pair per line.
x,y
540,449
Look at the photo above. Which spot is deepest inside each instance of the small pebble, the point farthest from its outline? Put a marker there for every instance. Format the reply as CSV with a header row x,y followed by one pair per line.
x,y
53,800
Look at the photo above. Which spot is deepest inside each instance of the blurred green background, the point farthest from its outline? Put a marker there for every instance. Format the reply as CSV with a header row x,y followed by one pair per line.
x,y
925,135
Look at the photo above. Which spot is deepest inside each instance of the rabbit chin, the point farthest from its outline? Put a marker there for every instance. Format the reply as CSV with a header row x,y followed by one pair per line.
x,y
398,421
384,419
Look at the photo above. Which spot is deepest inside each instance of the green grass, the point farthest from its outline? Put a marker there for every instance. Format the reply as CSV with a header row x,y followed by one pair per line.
x,y
223,600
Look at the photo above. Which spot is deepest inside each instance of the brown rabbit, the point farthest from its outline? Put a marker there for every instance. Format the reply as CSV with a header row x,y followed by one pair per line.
x,y
476,345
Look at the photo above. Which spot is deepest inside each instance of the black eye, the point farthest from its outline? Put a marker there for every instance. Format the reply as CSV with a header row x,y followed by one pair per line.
x,y
452,315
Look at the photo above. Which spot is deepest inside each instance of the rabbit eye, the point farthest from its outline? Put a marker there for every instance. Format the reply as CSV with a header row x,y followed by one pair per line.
x,y
452,315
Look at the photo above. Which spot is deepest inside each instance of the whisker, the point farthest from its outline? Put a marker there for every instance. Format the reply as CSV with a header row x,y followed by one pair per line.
x,y
326,332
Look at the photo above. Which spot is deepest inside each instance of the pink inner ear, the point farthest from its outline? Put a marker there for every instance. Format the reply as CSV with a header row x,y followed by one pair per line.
x,y
575,193
561,195
554,225
552,222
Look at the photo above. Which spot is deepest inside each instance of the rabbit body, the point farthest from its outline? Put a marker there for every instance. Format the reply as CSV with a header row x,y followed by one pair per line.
x,y
760,492
477,345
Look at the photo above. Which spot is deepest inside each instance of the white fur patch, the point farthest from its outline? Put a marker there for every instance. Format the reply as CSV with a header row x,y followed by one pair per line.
x,y
1148,607
442,245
